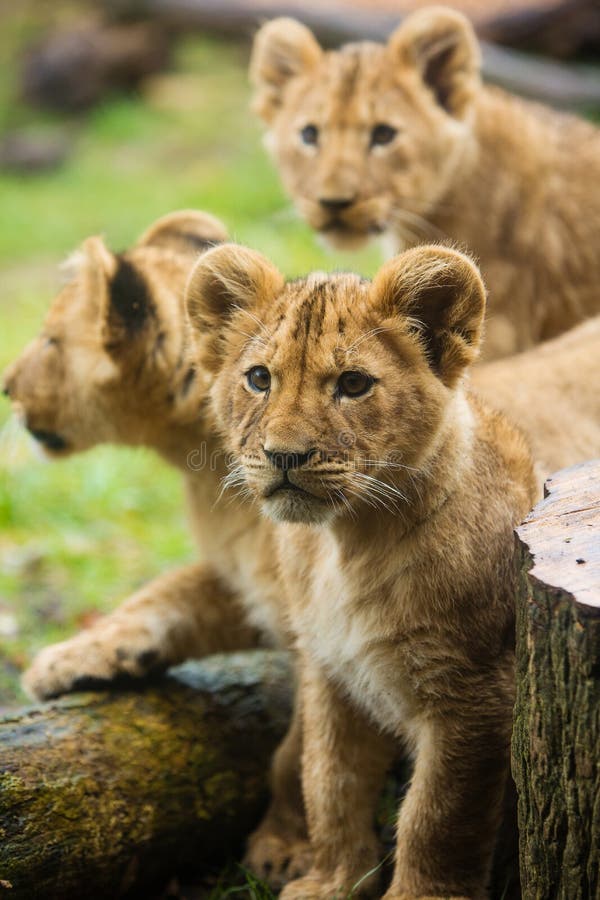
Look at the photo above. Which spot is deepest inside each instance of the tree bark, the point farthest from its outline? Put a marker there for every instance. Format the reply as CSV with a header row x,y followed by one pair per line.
x,y
556,741
108,794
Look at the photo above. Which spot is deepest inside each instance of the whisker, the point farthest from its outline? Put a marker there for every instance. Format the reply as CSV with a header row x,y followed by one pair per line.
x,y
386,490
379,499
233,479
251,315
383,463
251,337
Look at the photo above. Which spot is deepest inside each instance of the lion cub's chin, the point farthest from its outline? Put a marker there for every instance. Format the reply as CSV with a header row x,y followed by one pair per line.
x,y
346,238
298,507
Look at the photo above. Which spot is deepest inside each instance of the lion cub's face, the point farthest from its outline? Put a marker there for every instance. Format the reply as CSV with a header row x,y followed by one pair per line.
x,y
367,138
108,364
330,390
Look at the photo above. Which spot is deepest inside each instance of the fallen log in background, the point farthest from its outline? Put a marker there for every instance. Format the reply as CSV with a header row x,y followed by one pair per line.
x,y
563,29
551,82
106,794
556,741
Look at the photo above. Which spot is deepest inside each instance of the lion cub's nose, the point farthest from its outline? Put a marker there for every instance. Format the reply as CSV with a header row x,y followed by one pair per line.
x,y
336,204
288,459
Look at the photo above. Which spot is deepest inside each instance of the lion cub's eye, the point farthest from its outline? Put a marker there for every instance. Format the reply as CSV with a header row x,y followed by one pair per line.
x,y
258,378
353,384
382,134
310,135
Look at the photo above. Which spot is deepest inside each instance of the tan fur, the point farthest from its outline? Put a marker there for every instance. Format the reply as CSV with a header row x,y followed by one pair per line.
x,y
87,379
552,393
103,370
402,601
222,602
514,182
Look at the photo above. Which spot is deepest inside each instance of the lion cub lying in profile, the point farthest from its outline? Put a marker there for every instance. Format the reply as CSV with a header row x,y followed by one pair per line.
x,y
404,139
343,403
111,366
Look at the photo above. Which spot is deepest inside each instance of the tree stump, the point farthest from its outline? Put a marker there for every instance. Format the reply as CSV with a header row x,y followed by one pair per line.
x,y
110,794
556,741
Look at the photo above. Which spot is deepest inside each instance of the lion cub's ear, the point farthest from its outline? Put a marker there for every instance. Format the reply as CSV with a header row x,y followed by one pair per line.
x,y
282,49
185,231
92,265
440,293
441,44
225,280
115,292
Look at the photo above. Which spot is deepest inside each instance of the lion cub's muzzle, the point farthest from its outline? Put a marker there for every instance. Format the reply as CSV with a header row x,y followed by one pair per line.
x,y
285,469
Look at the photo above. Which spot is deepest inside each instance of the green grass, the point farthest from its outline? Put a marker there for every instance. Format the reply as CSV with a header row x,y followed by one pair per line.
x,y
78,536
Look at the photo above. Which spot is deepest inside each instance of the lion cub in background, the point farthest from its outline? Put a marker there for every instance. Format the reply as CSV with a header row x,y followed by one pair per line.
x,y
110,365
397,494
403,138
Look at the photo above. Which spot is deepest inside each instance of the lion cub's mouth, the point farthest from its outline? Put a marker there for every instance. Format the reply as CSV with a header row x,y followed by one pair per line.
x,y
340,235
50,440
286,485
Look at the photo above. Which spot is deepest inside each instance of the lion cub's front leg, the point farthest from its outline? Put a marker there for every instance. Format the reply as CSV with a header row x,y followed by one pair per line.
x,y
279,849
344,762
449,819
181,614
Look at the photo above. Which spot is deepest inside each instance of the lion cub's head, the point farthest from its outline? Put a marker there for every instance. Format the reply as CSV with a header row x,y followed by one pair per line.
x,y
369,137
109,363
332,390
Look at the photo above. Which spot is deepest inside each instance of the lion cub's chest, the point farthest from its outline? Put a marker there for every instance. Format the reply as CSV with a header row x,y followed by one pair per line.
x,y
340,623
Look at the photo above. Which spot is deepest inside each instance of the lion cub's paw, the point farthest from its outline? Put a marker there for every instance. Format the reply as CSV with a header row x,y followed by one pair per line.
x,y
277,860
320,886
394,895
90,658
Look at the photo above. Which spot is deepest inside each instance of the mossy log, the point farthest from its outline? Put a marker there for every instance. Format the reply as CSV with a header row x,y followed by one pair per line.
x,y
108,794
556,742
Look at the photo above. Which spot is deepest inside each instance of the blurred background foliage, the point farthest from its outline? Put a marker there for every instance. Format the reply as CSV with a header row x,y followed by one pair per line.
x,y
78,536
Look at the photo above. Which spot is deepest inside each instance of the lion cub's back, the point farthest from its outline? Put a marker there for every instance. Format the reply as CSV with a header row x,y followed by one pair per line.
x,y
513,464
551,392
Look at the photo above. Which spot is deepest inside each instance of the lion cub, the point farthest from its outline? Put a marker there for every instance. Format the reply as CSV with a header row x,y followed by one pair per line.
x,y
111,366
404,139
397,494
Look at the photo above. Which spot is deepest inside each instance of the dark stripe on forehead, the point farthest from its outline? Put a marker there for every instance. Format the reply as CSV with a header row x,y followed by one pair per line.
x,y
310,313
348,74
302,331
322,308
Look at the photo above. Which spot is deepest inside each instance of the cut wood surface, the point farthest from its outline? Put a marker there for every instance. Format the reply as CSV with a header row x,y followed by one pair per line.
x,y
107,794
556,742
333,23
